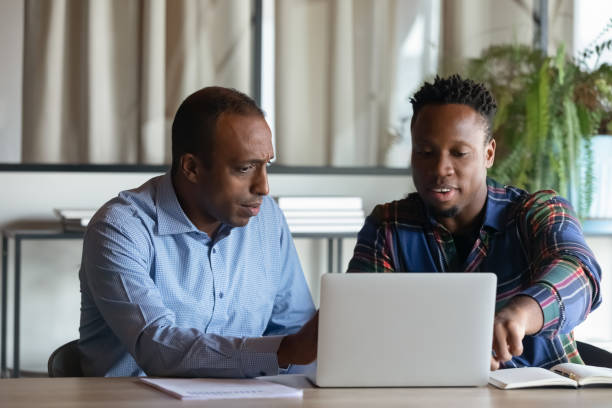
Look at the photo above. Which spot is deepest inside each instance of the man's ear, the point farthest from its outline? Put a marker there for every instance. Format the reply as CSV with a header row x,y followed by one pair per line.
x,y
189,167
490,153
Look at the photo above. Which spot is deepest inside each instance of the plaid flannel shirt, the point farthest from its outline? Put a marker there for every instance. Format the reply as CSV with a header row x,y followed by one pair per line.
x,y
532,242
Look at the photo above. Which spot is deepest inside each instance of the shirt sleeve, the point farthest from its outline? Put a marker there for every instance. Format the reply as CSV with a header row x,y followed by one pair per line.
x,y
293,305
116,266
565,277
373,251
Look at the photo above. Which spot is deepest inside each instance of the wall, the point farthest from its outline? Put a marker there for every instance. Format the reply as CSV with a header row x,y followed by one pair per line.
x,y
50,293
598,327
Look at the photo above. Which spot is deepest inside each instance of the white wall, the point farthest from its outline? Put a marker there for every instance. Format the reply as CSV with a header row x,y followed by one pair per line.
x,y
598,326
590,20
50,292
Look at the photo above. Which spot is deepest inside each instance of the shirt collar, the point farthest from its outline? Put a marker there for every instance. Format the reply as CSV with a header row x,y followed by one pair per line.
x,y
171,219
496,205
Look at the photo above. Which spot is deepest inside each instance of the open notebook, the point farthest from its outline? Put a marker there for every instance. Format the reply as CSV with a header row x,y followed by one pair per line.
x,y
561,375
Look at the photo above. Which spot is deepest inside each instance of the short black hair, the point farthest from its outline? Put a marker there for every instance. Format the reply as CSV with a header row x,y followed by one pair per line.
x,y
455,89
193,128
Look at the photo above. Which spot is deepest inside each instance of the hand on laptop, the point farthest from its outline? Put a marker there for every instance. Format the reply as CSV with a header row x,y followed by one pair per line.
x,y
521,316
301,347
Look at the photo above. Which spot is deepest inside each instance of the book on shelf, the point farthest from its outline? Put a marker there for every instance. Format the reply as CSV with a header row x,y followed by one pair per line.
x,y
561,375
319,203
74,219
322,214
324,220
314,228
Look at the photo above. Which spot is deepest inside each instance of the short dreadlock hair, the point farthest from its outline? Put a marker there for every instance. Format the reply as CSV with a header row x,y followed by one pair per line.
x,y
455,89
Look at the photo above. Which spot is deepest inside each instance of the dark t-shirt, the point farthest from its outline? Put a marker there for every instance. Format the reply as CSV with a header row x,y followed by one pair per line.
x,y
464,243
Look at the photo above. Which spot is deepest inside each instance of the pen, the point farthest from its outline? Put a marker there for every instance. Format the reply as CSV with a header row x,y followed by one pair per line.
x,y
571,376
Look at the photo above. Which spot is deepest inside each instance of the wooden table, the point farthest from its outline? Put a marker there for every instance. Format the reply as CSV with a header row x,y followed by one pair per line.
x,y
129,393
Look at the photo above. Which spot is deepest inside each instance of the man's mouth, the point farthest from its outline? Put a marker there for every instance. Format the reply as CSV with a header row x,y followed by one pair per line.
x,y
442,193
252,208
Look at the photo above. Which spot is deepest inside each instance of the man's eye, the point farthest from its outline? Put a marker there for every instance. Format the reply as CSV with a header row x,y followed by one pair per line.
x,y
245,169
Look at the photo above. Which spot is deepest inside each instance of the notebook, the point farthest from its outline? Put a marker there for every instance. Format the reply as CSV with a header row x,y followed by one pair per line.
x,y
560,375
221,388
405,329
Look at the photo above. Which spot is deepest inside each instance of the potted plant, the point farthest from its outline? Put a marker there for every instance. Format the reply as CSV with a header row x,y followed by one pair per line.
x,y
548,110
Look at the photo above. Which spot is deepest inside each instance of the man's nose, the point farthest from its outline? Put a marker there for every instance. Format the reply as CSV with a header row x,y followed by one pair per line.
x,y
259,185
444,165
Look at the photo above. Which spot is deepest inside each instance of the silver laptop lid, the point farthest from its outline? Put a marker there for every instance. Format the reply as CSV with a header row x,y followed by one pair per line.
x,y
405,329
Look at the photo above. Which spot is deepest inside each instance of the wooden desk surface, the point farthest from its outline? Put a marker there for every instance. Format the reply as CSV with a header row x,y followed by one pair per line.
x,y
129,392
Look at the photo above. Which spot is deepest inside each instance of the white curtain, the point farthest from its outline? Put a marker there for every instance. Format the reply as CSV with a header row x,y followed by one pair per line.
x,y
103,78
470,26
334,76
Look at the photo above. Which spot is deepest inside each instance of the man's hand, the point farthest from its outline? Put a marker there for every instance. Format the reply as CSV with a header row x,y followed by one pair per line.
x,y
521,316
301,347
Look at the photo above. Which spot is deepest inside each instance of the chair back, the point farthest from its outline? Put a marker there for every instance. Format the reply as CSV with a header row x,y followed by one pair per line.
x,y
593,355
65,361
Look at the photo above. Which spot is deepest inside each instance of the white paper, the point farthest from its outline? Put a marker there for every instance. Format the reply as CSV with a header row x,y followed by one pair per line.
x,y
215,388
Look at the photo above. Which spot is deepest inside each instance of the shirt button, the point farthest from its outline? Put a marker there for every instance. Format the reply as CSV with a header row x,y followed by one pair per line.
x,y
214,250
220,295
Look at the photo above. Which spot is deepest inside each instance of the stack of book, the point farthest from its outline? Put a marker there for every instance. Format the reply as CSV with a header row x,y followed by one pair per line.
x,y
322,214
74,220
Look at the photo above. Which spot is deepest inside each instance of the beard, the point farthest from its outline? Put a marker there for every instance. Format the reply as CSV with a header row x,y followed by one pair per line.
x,y
448,213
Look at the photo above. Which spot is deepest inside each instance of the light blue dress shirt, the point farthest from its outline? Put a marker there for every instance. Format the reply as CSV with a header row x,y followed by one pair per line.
x,y
159,297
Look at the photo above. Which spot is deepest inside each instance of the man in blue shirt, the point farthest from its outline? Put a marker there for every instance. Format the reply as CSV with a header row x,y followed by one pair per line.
x,y
194,273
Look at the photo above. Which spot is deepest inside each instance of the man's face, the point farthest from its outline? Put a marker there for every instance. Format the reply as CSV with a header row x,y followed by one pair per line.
x,y
450,159
231,189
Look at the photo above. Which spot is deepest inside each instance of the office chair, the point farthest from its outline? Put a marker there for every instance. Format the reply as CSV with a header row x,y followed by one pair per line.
x,y
65,361
593,355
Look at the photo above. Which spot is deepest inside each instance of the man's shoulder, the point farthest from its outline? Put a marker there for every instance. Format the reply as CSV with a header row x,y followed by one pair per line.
x,y
408,211
129,207
546,206
539,204
515,194
543,197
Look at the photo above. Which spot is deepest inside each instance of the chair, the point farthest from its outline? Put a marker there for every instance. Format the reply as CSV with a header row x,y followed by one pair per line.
x,y
593,355
65,361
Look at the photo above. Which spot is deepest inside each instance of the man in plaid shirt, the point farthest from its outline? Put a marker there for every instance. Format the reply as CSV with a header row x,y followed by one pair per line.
x,y
460,220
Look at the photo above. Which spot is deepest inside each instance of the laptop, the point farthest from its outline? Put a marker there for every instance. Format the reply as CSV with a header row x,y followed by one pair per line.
x,y
405,329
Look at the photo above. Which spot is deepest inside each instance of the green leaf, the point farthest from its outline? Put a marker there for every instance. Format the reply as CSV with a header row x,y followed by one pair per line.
x,y
560,62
